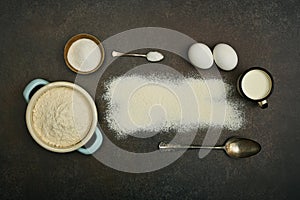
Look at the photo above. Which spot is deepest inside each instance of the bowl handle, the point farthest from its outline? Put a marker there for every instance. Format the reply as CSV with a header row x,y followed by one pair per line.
x,y
27,93
95,146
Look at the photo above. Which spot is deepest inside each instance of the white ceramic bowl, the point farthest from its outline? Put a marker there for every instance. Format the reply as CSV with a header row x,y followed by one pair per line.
x,y
32,102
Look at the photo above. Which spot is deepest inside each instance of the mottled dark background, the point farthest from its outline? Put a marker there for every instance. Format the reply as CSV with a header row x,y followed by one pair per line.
x,y
264,33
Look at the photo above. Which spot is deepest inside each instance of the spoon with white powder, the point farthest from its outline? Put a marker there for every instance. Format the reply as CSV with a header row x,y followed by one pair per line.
x,y
152,56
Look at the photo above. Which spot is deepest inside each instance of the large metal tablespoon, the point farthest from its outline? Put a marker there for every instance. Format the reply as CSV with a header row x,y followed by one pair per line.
x,y
152,56
234,147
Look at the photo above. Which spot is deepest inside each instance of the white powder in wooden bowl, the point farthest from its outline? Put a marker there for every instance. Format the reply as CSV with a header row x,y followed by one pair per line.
x,y
138,104
84,55
61,117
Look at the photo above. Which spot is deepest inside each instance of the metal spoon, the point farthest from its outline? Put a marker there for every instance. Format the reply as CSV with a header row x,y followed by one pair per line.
x,y
234,147
152,56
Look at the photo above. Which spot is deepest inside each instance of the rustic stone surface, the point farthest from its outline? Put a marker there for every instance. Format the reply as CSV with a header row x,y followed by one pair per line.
x,y
264,33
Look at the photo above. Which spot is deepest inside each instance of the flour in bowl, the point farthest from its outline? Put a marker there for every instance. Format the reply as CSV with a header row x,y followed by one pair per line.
x,y
61,117
84,55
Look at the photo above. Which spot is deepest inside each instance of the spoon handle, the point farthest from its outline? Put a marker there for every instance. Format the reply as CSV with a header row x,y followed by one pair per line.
x,y
116,54
163,145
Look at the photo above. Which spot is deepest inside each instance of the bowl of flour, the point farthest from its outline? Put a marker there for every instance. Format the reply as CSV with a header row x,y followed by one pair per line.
x,y
84,53
61,116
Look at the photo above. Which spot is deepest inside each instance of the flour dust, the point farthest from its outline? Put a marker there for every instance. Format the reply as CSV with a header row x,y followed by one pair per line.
x,y
139,104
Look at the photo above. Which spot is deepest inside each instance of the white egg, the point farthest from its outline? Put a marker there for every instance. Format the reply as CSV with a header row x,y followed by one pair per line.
x,y
200,56
225,57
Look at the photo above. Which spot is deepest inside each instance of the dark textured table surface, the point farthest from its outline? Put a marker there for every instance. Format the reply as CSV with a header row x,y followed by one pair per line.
x,y
264,33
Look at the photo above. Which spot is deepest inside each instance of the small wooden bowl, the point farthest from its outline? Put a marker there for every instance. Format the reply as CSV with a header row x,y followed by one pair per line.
x,y
81,36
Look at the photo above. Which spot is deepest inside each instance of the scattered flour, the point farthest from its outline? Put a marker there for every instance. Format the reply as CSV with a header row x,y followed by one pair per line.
x,y
139,104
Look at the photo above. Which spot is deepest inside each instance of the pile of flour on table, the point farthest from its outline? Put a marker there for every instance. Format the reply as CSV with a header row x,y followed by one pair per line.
x,y
139,103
